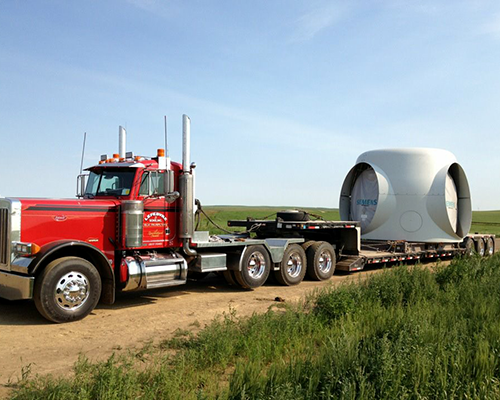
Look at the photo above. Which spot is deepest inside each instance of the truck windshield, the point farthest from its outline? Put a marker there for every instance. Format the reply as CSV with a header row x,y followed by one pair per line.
x,y
107,182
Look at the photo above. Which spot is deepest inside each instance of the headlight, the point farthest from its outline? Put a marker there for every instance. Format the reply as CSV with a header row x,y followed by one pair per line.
x,y
25,249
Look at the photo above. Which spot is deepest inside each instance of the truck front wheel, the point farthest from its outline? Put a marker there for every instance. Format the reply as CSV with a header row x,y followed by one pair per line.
x,y
255,267
68,289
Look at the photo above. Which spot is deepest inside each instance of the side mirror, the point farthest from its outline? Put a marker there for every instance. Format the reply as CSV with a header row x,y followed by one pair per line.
x,y
171,197
168,187
81,183
168,183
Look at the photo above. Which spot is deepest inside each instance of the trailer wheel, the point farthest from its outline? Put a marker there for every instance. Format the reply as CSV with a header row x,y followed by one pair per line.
x,y
480,246
293,266
255,267
68,289
469,247
490,246
321,261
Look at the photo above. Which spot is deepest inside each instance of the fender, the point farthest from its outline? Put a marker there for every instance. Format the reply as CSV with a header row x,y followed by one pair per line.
x,y
76,248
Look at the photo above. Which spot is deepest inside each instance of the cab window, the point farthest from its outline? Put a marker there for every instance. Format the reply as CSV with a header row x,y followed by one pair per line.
x,y
152,183
108,182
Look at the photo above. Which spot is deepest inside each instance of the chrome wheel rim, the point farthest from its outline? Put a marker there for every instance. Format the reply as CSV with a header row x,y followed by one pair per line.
x,y
72,291
469,248
325,262
490,247
294,265
256,265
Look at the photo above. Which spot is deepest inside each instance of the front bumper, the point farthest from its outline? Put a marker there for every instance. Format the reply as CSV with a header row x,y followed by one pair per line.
x,y
16,287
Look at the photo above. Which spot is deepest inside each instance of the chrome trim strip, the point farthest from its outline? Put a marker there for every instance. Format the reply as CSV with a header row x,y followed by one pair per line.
x,y
13,229
4,238
21,264
15,287
15,221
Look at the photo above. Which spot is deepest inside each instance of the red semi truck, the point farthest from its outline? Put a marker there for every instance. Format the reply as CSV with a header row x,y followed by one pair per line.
x,y
131,227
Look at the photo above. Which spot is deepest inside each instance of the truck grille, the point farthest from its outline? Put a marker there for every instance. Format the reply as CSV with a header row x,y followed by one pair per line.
x,y
4,236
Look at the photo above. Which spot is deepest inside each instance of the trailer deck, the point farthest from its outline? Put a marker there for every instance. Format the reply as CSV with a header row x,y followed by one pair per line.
x,y
353,253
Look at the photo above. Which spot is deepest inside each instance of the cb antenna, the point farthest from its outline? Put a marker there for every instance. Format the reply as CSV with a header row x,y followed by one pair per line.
x,y
166,136
83,151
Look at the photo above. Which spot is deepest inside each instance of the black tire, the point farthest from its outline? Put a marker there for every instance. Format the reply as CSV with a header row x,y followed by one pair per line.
x,y
229,277
307,244
293,215
490,246
65,275
469,247
480,246
293,266
255,267
321,261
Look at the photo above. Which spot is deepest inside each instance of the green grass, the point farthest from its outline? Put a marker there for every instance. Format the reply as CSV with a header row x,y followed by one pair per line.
x,y
407,332
486,222
482,221
221,214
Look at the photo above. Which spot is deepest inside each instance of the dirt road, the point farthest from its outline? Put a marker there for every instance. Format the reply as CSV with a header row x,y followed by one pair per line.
x,y
26,339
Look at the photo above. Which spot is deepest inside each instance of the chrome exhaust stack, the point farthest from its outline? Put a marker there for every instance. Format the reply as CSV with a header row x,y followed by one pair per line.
x,y
186,143
187,190
122,141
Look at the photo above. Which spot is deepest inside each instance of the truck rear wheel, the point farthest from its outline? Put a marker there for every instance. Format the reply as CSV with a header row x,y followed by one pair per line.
x,y
67,290
255,267
293,266
307,244
321,261
229,277
490,246
480,246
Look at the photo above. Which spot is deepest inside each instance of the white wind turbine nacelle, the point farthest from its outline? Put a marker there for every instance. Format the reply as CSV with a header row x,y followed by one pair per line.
x,y
417,195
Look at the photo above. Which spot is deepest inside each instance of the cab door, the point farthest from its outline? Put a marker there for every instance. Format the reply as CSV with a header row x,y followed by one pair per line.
x,y
157,227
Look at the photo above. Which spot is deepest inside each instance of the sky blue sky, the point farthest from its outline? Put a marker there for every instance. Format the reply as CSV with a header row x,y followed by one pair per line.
x,y
283,94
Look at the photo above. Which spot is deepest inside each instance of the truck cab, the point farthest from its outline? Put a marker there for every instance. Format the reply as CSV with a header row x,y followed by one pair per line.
x,y
131,227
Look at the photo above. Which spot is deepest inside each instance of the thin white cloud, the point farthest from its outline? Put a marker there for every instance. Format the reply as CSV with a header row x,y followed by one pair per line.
x,y
492,27
147,5
260,126
316,20
159,8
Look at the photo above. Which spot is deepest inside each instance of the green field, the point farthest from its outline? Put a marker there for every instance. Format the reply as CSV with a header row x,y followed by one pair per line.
x,y
221,214
408,332
486,222
405,333
482,221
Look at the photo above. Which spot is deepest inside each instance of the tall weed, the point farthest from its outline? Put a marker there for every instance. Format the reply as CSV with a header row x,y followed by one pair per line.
x,y
407,332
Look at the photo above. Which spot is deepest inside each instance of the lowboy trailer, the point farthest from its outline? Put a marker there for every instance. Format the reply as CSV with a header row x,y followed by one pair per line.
x,y
354,253
132,228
